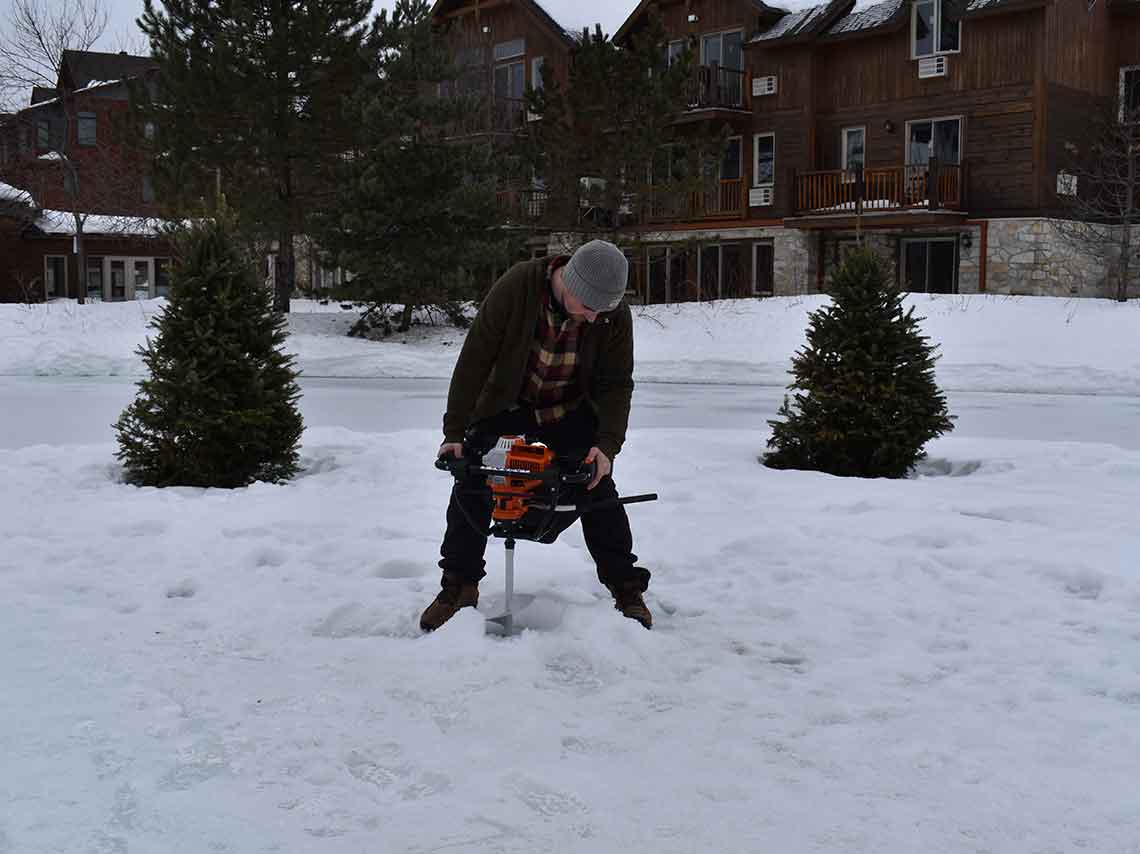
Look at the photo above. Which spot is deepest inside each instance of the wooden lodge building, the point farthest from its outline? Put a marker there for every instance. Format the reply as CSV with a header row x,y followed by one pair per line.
x,y
935,129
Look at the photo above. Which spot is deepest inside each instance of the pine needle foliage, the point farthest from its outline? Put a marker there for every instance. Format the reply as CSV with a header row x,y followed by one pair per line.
x,y
219,405
866,401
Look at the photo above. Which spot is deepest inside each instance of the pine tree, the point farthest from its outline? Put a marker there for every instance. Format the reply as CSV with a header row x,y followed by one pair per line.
x,y
608,148
248,102
415,207
219,407
866,401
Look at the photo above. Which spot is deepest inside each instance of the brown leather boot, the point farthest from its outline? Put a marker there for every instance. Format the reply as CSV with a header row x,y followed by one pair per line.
x,y
628,600
456,594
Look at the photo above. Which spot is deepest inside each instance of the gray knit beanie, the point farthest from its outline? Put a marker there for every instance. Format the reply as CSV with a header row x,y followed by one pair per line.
x,y
596,274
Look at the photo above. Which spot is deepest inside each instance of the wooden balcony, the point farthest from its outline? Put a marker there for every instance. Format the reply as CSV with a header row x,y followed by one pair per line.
x,y
727,199
931,187
713,86
521,205
493,116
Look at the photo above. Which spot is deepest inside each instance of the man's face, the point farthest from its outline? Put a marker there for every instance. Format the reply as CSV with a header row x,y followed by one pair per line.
x,y
574,307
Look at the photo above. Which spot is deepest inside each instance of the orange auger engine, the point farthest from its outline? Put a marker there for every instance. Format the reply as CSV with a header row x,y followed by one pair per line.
x,y
523,467
534,494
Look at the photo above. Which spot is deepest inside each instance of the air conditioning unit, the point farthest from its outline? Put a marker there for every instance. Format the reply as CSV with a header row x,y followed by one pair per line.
x,y
759,197
763,86
932,66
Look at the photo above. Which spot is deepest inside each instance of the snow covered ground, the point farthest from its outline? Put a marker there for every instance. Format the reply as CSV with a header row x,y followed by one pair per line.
x,y
989,343
943,664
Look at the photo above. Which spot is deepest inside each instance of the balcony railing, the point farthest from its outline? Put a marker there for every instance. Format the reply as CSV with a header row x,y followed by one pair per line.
x,y
522,205
715,86
726,199
494,115
929,186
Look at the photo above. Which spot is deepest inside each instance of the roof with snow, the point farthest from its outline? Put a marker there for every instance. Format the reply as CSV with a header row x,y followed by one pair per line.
x,y
79,68
886,15
764,10
62,223
10,195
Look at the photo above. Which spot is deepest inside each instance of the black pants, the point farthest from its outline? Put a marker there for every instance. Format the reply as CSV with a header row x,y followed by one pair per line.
x,y
606,529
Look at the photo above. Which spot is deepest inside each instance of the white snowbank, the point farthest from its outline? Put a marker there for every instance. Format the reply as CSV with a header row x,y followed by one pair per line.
x,y
988,343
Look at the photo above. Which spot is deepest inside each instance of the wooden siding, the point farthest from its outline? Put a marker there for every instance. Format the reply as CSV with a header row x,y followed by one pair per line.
x,y
1127,40
714,16
507,22
996,52
1076,46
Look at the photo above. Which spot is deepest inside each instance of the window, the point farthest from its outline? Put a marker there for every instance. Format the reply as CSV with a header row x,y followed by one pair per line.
x,y
931,30
723,49
930,266
43,135
55,276
1130,94
763,160
88,125
732,164
162,277
536,72
720,274
509,50
763,269
94,278
69,185
149,130
147,188
934,139
675,51
854,148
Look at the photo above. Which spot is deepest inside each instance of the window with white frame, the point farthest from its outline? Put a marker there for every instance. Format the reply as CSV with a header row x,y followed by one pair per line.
x,y
509,50
763,160
43,134
675,51
931,30
854,148
934,139
536,72
88,129
723,49
1130,94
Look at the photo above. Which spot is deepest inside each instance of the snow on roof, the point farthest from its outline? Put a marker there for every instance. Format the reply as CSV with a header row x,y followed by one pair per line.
x,y
867,18
63,223
50,155
14,195
793,24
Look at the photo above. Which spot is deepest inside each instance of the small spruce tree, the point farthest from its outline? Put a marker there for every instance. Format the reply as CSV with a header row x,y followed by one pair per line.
x,y
866,402
219,407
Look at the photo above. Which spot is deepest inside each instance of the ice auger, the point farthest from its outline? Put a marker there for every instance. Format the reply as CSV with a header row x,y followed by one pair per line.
x,y
535,495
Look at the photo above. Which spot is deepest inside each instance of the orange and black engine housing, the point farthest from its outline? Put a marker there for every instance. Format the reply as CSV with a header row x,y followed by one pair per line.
x,y
511,492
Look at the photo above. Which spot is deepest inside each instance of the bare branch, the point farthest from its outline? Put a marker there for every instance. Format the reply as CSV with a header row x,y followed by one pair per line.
x,y
34,39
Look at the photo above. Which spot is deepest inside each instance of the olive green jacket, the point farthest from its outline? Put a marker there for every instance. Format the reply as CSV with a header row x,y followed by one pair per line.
x,y
489,373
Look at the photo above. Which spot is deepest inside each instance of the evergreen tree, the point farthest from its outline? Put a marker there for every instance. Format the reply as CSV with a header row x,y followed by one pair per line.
x,y
416,208
248,102
219,407
608,149
866,401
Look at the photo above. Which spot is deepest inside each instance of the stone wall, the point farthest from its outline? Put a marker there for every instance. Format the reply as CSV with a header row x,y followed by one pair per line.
x,y
1032,257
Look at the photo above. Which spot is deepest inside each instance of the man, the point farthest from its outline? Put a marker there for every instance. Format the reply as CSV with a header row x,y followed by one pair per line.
x,y
549,355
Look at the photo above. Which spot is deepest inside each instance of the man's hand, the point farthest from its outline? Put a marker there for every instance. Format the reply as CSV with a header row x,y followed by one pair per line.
x,y
453,448
603,464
